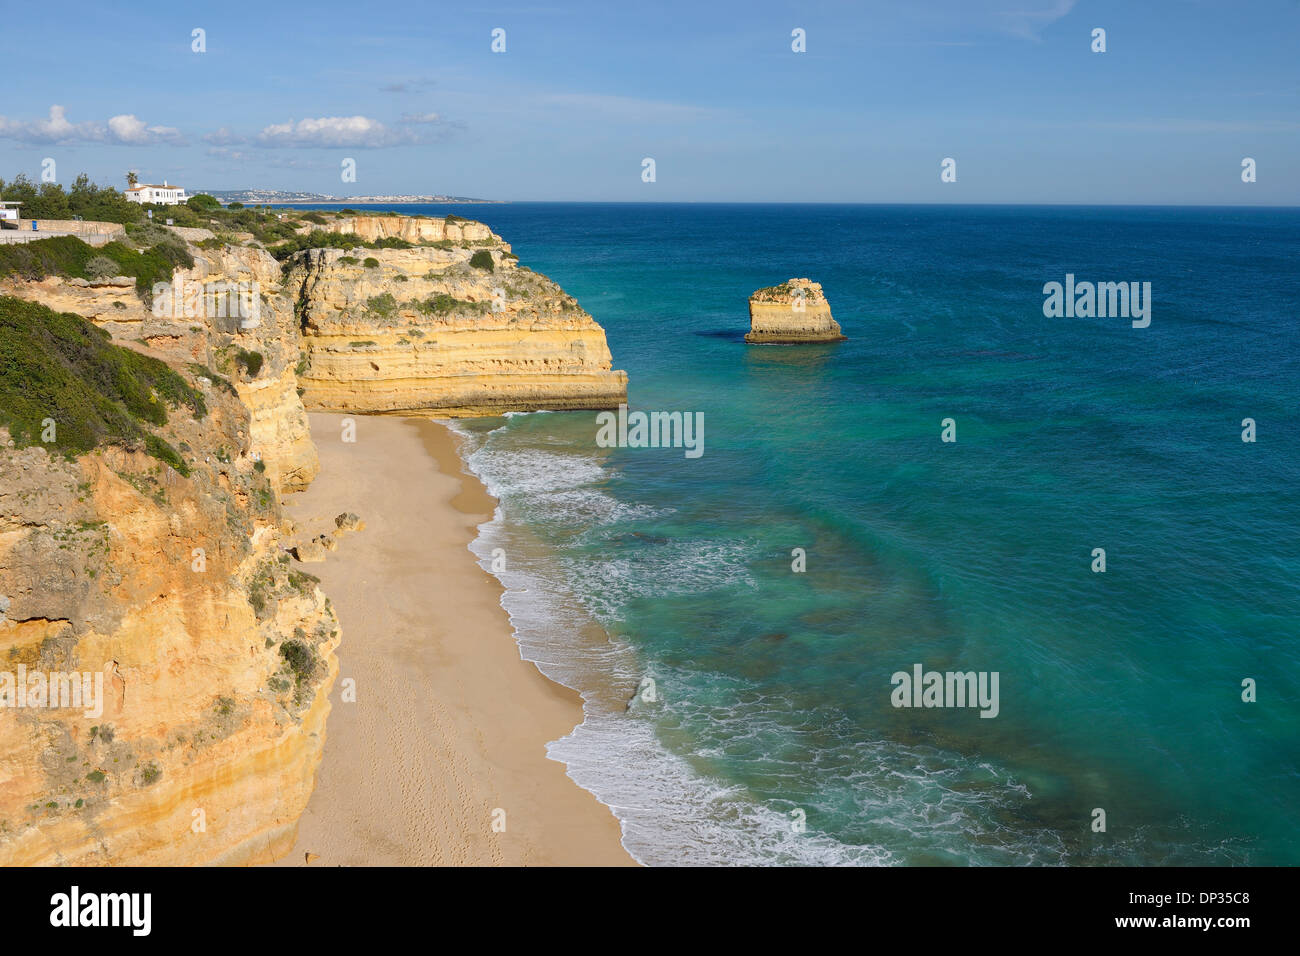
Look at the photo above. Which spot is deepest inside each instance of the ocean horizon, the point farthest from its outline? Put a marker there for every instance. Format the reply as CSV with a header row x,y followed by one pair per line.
x,y
770,735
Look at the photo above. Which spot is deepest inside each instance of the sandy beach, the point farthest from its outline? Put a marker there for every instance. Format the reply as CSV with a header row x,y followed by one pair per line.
x,y
449,727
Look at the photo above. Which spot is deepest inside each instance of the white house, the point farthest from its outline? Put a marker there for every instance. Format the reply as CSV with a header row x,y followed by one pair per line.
x,y
164,195
9,210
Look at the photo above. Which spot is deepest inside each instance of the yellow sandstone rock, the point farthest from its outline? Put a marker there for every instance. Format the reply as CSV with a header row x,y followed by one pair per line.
x,y
793,312
214,651
424,330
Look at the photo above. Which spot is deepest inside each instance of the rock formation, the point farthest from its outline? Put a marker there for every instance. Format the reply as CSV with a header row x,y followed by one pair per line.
x,y
418,229
424,330
793,312
215,651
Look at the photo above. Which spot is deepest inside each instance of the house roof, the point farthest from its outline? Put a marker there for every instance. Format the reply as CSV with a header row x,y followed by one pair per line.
x,y
136,189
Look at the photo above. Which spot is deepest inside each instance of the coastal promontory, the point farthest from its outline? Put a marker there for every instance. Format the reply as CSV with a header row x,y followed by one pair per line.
x,y
791,313
438,316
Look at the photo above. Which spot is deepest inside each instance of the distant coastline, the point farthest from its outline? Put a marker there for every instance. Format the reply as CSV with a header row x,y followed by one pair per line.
x,y
278,197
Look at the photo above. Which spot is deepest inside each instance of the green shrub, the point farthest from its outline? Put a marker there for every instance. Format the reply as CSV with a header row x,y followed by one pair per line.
x,y
348,260
250,362
300,658
382,306
443,304
101,267
371,263
59,366
217,380
482,260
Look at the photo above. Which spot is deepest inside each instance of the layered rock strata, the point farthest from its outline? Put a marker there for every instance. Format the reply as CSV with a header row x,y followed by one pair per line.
x,y
171,593
176,593
424,330
791,313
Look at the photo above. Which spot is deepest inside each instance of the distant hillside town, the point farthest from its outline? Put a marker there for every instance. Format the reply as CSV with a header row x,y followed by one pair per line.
x,y
257,197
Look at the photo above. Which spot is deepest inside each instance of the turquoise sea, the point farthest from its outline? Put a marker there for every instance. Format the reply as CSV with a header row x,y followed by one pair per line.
x,y
772,738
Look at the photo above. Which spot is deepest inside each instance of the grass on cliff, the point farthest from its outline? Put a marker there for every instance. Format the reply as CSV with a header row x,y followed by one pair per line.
x,y
59,366
320,239
69,256
443,304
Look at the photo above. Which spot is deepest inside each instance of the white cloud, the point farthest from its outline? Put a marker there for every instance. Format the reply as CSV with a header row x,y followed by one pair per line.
x,y
330,131
420,118
124,130
224,137
130,131
56,129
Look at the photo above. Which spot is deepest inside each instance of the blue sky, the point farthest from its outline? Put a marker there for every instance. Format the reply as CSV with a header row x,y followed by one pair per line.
x,y
712,91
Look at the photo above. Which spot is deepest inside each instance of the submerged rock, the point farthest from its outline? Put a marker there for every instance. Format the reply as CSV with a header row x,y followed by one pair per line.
x,y
793,312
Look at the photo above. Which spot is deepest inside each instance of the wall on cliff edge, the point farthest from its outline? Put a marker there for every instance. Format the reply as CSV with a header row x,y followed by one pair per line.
x,y
174,594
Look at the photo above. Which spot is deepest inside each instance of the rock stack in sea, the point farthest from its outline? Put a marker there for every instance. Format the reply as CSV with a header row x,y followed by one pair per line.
x,y
791,313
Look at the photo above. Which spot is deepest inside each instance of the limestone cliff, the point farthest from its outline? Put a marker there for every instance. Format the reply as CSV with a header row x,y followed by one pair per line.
x,y
184,333
419,229
214,652
451,330
216,659
793,312
170,579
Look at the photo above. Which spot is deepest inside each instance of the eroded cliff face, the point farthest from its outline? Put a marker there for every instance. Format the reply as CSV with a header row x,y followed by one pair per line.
x,y
215,654
419,229
201,325
424,330
791,313
175,594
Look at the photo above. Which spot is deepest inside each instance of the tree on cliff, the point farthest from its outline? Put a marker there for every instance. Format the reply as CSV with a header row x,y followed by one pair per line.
x,y
202,202
132,180
84,199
